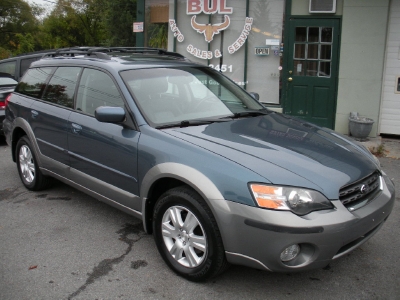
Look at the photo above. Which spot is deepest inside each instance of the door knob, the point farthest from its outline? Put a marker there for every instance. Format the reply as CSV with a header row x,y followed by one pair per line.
x,y
290,79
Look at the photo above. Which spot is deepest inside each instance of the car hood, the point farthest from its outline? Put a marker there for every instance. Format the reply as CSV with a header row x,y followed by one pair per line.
x,y
285,151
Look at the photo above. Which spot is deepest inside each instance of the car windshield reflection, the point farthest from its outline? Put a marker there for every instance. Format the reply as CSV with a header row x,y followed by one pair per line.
x,y
172,95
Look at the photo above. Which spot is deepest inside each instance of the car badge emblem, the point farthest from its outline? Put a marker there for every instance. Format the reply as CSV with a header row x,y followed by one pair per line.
x,y
363,189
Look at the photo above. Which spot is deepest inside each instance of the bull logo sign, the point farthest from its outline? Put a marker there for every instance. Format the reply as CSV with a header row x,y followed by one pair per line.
x,y
196,7
208,29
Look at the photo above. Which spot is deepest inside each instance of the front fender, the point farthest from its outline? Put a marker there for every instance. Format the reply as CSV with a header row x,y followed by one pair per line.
x,y
192,177
197,180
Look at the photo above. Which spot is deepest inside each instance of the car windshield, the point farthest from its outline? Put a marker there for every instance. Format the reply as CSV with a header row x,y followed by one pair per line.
x,y
172,95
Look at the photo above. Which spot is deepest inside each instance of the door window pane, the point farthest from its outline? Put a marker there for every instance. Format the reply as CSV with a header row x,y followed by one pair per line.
x,y
326,34
313,34
315,54
299,67
299,51
326,52
97,89
325,69
61,87
301,34
312,51
312,68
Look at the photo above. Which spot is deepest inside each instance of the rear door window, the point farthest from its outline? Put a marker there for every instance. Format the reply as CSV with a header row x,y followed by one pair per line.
x,y
61,87
34,82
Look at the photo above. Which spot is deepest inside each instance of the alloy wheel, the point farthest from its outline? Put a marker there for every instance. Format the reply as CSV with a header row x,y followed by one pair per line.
x,y
184,236
27,164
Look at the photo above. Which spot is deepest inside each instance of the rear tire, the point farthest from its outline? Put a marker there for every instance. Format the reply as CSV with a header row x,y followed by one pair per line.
x,y
187,235
28,169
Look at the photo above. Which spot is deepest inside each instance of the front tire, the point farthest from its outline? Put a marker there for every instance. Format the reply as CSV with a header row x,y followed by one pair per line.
x,y
28,168
187,235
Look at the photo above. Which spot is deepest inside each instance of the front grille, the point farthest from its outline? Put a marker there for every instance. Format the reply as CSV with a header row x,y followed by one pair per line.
x,y
359,191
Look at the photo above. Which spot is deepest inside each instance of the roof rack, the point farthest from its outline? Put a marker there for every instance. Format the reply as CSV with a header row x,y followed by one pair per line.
x,y
101,52
158,51
73,53
52,50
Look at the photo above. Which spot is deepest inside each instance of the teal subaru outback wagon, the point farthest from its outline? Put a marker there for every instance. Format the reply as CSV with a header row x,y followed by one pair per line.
x,y
216,177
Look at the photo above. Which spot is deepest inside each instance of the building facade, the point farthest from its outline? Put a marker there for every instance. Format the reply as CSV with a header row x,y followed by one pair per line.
x,y
318,60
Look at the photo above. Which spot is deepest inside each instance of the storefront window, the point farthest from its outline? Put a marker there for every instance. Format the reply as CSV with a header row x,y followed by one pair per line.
x,y
264,72
246,48
157,16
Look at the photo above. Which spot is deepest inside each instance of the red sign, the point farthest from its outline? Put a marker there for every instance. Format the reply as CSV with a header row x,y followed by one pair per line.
x,y
195,7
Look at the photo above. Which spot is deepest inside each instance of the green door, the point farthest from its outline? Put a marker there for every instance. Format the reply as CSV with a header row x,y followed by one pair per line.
x,y
311,73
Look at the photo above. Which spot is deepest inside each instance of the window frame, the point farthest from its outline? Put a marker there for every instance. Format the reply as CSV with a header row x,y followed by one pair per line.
x,y
130,121
48,84
79,84
46,81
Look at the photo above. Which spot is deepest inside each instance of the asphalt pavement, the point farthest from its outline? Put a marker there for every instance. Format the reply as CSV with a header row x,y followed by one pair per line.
x,y
63,244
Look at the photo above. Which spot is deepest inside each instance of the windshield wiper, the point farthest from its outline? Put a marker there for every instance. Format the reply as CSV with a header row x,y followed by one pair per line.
x,y
187,123
250,113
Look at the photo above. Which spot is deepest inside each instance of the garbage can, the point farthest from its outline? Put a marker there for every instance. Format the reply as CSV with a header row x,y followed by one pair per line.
x,y
360,127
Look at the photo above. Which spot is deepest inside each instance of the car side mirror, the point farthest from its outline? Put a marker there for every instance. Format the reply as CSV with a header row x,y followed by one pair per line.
x,y
108,114
255,95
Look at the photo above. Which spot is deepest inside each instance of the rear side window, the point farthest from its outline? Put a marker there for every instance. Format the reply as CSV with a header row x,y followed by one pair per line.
x,y
34,82
96,89
61,87
8,67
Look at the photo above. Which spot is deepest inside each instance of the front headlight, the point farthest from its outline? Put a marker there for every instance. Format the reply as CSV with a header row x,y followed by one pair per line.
x,y
298,200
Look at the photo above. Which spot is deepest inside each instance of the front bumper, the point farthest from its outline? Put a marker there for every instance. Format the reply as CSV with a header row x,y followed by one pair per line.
x,y
256,237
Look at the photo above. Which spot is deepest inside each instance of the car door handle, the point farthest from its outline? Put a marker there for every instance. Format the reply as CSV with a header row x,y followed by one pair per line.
x,y
34,114
76,128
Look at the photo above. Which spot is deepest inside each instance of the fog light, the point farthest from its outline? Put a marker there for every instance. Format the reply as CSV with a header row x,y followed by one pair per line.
x,y
290,252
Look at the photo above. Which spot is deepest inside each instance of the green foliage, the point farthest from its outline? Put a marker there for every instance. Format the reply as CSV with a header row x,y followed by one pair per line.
x,y
90,23
16,18
158,35
378,151
24,27
26,43
4,53
119,18
75,23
